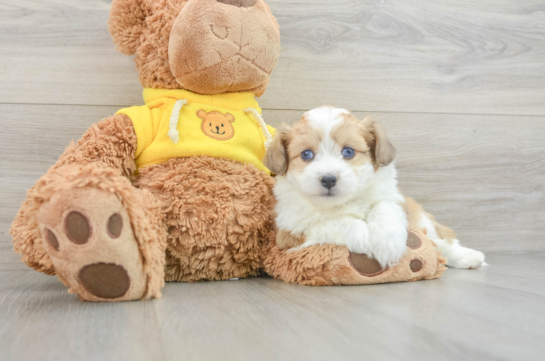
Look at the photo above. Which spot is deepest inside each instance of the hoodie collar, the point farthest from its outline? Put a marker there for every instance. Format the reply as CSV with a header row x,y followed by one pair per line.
x,y
233,101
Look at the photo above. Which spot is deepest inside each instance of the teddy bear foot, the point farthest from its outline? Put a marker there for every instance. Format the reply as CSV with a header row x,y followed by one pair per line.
x,y
327,265
88,235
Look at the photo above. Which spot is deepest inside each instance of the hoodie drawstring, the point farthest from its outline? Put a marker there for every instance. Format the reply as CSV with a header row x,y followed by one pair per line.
x,y
259,119
173,125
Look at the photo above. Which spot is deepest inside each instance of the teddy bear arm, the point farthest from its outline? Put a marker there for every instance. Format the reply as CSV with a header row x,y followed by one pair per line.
x,y
110,143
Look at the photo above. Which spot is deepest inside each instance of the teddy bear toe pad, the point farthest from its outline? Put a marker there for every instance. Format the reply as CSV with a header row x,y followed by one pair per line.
x,y
413,241
77,227
88,236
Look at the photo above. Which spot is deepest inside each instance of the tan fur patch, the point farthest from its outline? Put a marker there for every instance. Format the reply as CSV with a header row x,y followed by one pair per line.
x,y
353,133
415,212
288,144
443,232
286,240
303,136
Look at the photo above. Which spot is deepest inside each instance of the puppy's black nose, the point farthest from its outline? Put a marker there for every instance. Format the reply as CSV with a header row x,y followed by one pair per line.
x,y
329,181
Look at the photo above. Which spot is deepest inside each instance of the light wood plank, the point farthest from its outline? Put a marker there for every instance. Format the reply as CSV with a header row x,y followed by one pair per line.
x,y
39,320
9,260
369,55
466,315
508,273
481,175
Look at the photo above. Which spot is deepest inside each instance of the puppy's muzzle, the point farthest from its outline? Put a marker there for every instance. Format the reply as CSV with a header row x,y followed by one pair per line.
x,y
329,181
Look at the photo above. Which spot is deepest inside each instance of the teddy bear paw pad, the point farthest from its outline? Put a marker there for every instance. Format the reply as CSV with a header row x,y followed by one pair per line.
x,y
87,234
413,241
415,265
105,280
77,227
365,265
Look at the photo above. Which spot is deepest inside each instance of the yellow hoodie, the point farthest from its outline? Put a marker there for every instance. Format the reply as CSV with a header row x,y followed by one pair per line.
x,y
179,123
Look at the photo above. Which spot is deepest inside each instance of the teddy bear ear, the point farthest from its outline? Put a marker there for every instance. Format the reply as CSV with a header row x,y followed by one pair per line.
x,y
126,24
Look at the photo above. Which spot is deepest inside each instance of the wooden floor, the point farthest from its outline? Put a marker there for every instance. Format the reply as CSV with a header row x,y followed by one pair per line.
x,y
495,313
459,86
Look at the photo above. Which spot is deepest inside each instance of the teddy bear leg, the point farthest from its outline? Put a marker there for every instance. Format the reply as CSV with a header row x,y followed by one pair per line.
x,y
105,238
218,214
325,265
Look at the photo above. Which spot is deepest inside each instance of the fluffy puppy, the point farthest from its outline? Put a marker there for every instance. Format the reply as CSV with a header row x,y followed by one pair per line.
x,y
336,183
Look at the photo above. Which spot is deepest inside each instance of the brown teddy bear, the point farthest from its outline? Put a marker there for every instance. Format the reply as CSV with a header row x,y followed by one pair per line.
x,y
176,189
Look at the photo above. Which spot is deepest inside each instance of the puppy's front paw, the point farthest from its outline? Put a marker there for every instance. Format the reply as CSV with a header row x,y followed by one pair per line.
x,y
465,258
357,237
387,243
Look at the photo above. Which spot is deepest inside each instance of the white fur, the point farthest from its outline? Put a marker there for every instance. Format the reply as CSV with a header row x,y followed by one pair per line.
x,y
456,255
364,211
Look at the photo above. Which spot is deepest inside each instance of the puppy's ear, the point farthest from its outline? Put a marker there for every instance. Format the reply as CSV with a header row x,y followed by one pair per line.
x,y
381,147
277,158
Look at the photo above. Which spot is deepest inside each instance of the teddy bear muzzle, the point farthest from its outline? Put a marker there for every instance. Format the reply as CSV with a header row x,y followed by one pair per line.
x,y
209,52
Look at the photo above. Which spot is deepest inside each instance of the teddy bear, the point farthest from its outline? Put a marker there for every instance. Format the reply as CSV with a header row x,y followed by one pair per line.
x,y
173,190
176,189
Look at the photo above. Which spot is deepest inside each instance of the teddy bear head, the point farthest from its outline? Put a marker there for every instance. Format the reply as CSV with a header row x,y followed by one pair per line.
x,y
204,46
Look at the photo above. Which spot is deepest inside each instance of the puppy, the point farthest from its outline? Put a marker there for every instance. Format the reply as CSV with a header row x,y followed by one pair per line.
x,y
336,183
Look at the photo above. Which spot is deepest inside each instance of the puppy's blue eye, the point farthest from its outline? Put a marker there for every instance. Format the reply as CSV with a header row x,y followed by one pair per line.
x,y
348,153
307,155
